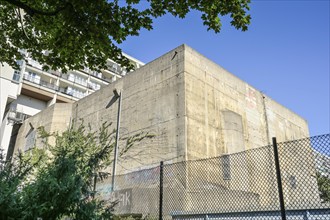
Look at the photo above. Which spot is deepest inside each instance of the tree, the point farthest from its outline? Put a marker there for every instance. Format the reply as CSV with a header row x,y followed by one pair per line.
x,y
12,177
62,181
323,183
79,33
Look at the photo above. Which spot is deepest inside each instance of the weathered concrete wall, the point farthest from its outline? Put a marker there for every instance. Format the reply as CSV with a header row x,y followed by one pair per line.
x,y
226,115
152,101
283,123
55,118
298,171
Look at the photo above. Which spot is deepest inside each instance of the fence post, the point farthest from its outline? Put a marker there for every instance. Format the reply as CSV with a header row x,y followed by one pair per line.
x,y
279,179
161,174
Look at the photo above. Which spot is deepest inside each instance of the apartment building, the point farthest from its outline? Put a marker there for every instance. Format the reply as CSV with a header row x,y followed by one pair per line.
x,y
27,91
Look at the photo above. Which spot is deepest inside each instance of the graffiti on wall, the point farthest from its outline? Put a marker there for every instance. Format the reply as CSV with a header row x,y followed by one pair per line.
x,y
123,198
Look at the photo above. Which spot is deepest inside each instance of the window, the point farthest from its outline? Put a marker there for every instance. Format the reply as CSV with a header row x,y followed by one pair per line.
x,y
293,182
77,79
75,92
16,76
32,77
69,90
71,77
225,160
94,86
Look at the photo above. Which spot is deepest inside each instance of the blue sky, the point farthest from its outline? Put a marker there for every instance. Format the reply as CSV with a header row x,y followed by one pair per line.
x,y
285,52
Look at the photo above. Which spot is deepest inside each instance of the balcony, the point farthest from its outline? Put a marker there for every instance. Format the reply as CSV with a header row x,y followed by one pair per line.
x,y
116,68
97,75
71,92
34,63
38,81
75,79
17,117
94,86
54,72
93,72
108,80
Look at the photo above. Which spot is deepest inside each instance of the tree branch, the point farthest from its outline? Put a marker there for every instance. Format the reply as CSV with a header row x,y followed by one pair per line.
x,y
31,11
19,16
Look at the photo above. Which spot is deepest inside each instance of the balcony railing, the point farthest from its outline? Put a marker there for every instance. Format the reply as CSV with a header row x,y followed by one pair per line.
x,y
72,78
66,91
71,92
40,82
17,117
54,72
112,67
35,64
93,73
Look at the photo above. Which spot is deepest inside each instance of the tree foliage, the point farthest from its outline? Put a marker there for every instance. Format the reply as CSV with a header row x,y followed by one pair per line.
x,y
12,177
59,180
323,182
80,33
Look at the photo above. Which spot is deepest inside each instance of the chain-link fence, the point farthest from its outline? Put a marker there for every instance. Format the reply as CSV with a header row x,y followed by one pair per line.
x,y
305,177
135,194
289,180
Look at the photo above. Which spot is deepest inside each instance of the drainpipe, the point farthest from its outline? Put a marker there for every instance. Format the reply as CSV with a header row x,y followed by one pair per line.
x,y
266,118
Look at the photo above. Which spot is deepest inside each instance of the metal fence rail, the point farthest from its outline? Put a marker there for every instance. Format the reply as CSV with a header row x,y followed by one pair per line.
x,y
312,214
288,180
